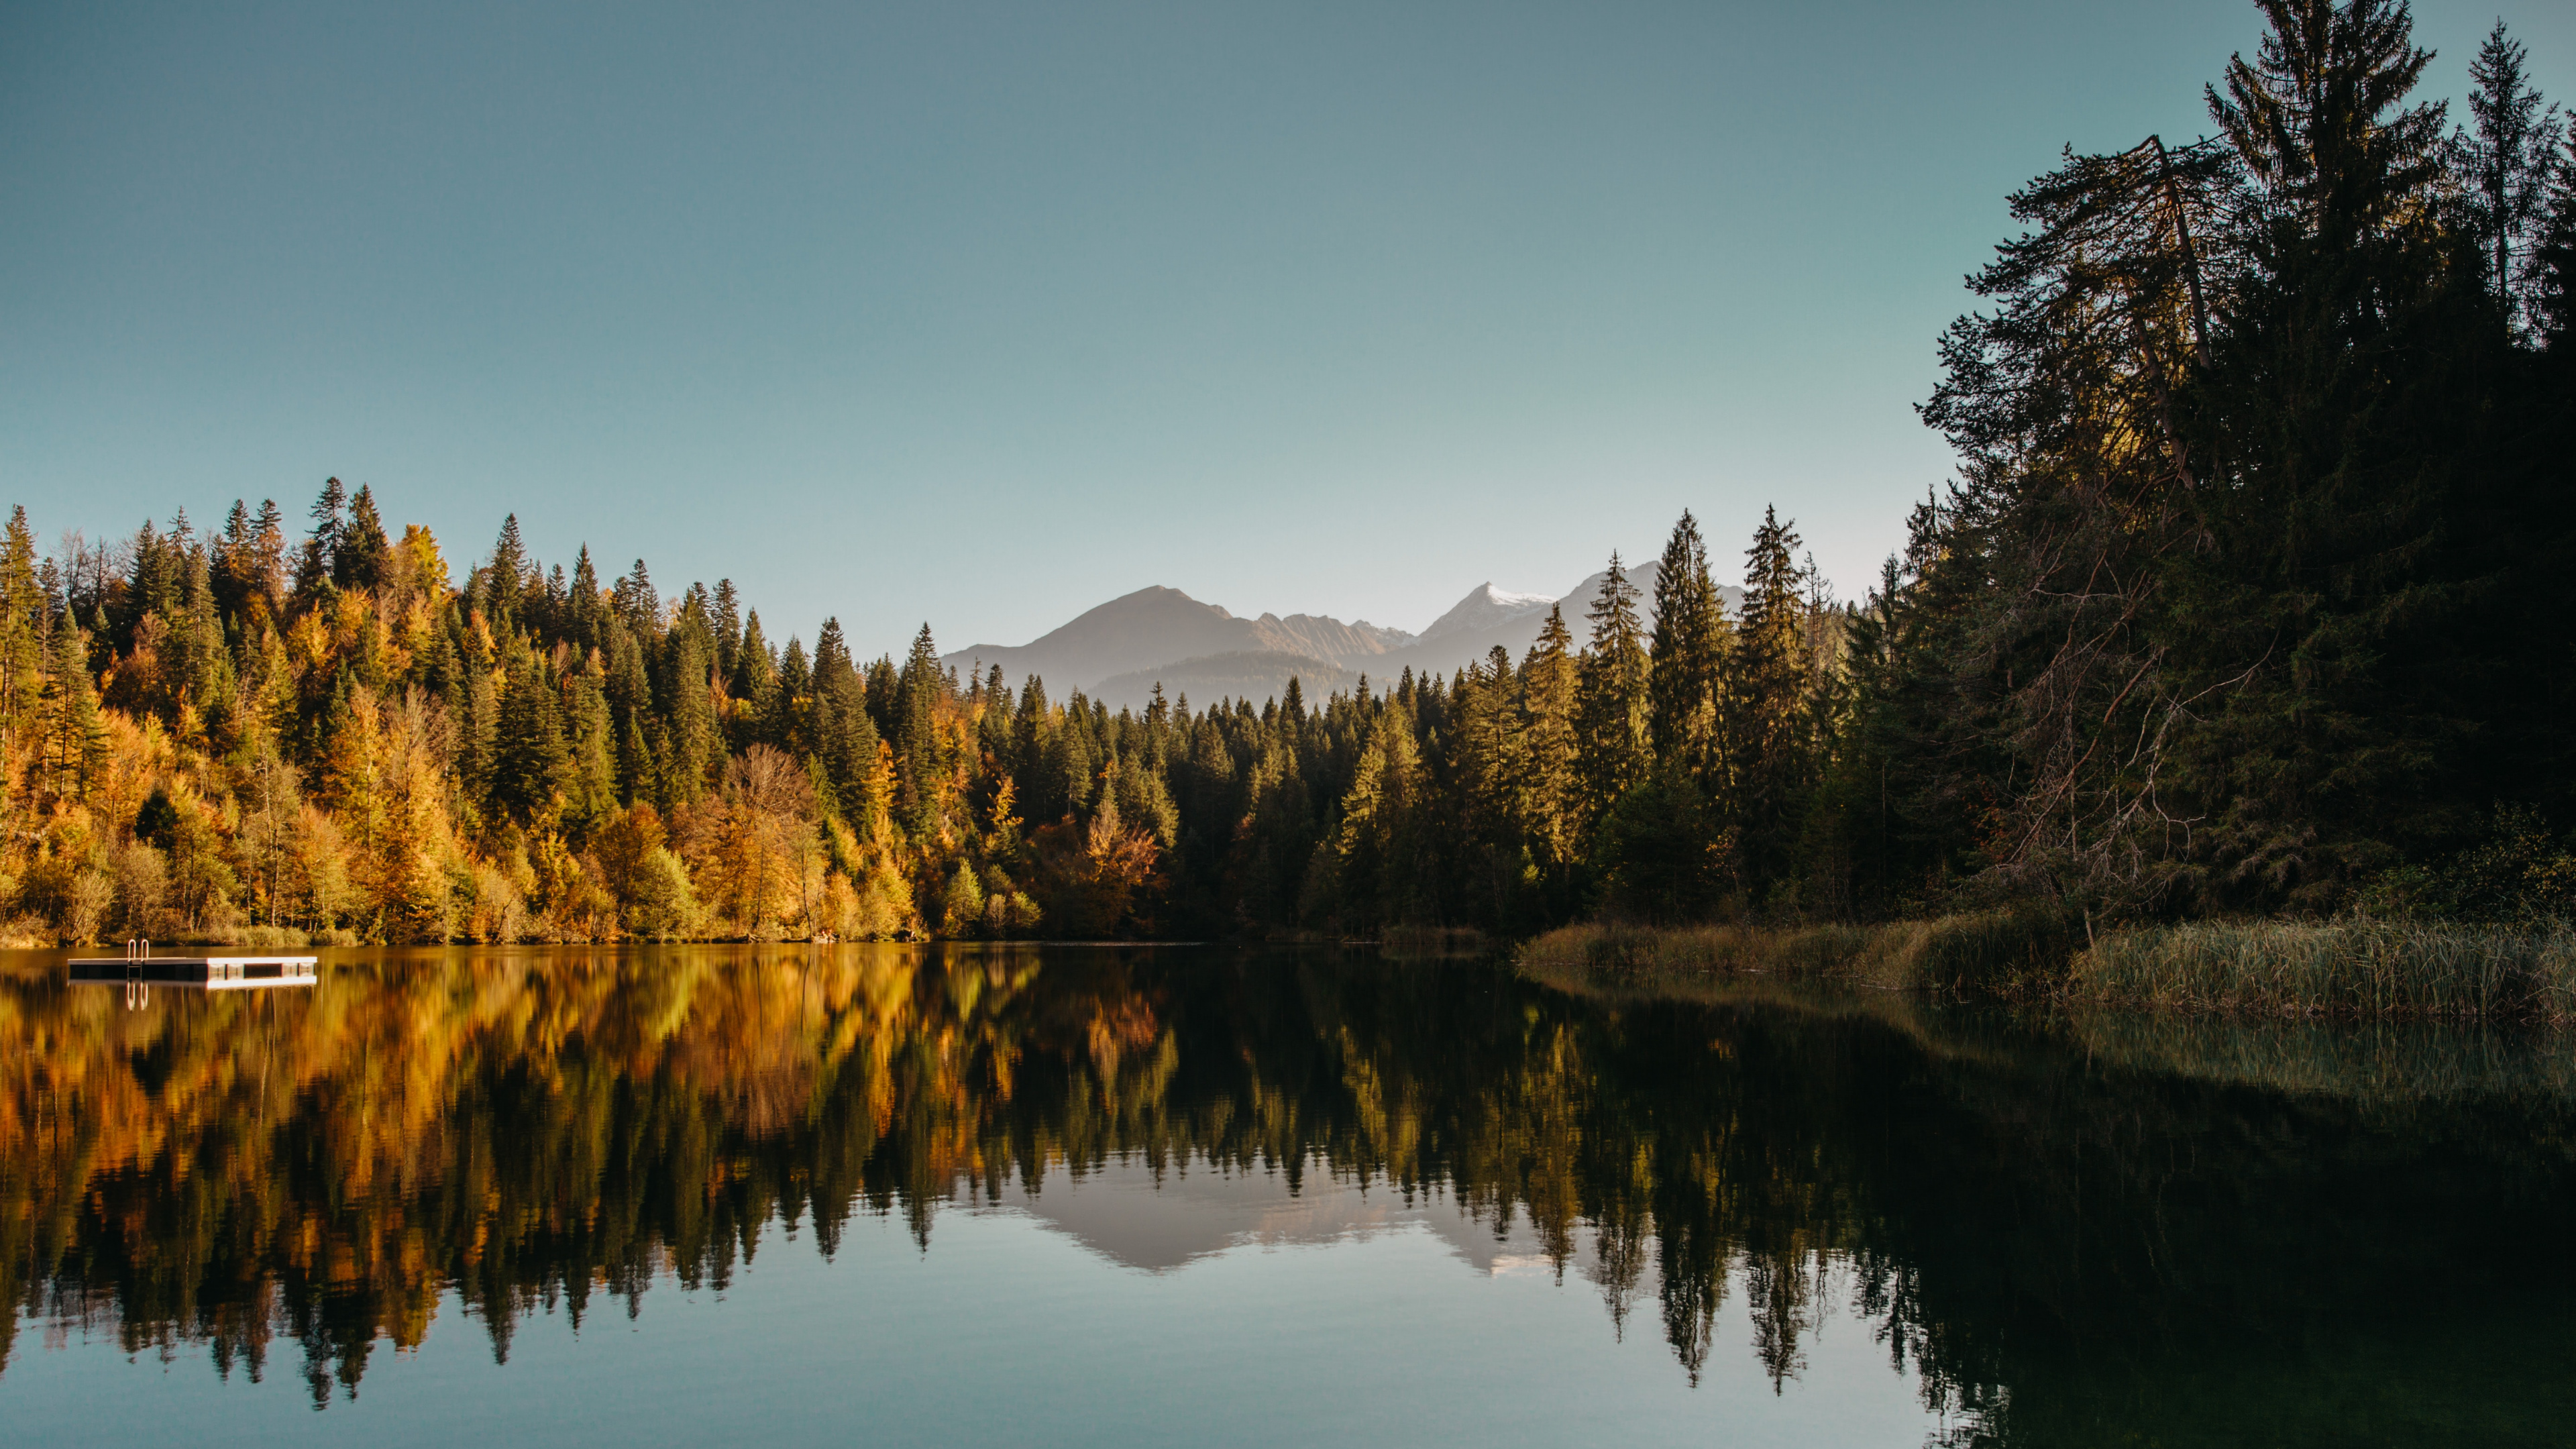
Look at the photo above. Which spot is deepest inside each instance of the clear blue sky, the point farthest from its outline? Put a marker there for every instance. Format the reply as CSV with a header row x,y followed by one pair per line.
x,y
983,314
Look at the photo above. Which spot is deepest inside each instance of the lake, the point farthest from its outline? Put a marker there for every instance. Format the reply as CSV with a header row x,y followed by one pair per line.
x,y
1097,1195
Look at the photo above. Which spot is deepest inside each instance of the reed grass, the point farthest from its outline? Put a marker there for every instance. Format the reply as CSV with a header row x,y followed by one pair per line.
x,y
2342,969
2338,969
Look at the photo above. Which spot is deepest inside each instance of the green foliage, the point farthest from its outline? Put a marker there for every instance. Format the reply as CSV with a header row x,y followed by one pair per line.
x,y
1660,856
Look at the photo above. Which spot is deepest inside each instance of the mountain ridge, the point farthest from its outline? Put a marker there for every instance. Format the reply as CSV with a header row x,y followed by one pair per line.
x,y
1117,651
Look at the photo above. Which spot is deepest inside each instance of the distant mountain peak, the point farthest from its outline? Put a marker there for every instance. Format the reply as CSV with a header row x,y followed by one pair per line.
x,y
1157,626
1486,607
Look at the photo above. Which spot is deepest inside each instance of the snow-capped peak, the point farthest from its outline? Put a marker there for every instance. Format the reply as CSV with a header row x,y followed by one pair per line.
x,y
1485,607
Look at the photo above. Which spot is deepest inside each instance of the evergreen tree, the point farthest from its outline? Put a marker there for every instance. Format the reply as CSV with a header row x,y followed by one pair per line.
x,y
795,687
1547,679
845,738
322,546
2506,156
587,609
24,627
1688,656
755,688
532,760
360,560
728,630
74,746
919,773
1768,695
2329,626
693,744
505,578
1612,749
2551,289
590,739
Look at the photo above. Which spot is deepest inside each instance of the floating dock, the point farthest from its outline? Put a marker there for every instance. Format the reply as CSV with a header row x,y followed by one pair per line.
x,y
210,973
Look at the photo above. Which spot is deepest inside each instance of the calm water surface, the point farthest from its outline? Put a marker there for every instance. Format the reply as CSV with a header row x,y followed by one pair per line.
x,y
894,1196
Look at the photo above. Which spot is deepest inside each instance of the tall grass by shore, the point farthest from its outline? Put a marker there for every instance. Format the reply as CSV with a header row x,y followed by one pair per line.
x,y
2348,969
2357,968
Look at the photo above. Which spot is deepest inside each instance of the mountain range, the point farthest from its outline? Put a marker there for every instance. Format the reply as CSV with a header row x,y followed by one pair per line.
x,y
1118,651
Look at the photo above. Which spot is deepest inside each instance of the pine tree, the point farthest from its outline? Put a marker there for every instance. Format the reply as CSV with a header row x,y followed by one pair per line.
x,y
1547,679
590,737
755,689
919,773
322,546
1612,749
637,605
364,551
845,738
788,713
588,610
2327,624
23,630
2507,156
1493,781
531,757
1688,655
75,747
2551,289
264,575
694,742
728,630
505,578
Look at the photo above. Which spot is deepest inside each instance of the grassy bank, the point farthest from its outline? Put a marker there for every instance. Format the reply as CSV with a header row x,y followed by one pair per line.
x,y
2372,970
2356,969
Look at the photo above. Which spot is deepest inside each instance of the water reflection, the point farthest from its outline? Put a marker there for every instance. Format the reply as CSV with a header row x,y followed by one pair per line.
x,y
2066,1232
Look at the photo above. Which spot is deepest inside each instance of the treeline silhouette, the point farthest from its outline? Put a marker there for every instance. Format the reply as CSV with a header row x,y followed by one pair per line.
x,y
2248,598
290,1183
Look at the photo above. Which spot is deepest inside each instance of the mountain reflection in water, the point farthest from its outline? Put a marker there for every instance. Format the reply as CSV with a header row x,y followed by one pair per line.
x,y
2066,1232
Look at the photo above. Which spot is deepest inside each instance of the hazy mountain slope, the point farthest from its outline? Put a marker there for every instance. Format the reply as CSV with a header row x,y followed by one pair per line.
x,y
1133,631
1117,651
1157,626
1255,674
1321,637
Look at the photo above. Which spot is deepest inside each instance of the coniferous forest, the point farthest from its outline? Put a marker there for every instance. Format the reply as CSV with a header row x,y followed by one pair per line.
x,y
2248,598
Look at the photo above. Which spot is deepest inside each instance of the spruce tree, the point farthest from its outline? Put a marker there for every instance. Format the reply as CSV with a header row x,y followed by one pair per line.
x,y
363,552
1687,654
23,631
587,621
1612,748
531,758
1547,680
728,629
754,688
505,578
919,774
1768,697
2507,154
787,711
75,746
322,545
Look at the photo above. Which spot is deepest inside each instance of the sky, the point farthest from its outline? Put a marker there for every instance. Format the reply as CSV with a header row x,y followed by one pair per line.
x,y
983,314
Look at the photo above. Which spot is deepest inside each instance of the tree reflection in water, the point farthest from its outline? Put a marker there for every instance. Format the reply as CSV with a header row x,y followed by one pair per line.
x,y
2095,1228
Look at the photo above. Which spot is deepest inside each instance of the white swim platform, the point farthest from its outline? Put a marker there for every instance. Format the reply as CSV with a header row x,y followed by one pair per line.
x,y
228,972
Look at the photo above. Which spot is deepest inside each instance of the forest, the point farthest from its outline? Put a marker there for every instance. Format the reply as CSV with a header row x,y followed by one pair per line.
x,y
2247,600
